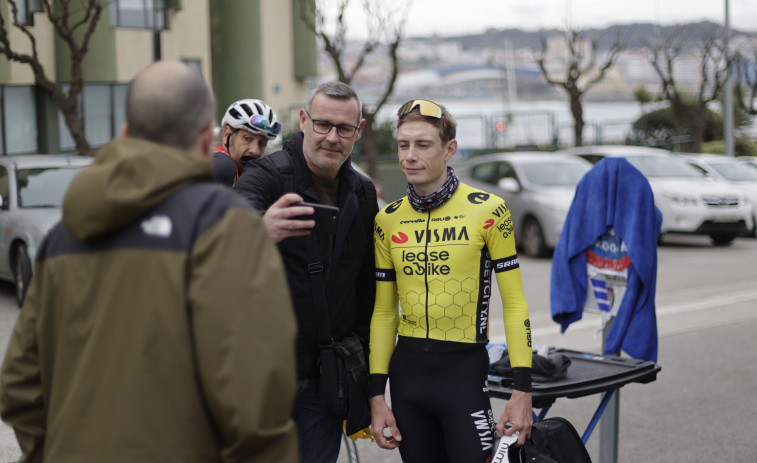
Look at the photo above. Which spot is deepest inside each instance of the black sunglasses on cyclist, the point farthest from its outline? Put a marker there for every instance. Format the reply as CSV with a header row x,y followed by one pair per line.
x,y
425,107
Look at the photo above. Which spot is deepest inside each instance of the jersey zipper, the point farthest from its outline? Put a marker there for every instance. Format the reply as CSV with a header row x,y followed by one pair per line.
x,y
425,272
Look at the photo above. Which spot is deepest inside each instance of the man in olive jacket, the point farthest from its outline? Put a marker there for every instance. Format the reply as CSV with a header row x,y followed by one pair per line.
x,y
146,335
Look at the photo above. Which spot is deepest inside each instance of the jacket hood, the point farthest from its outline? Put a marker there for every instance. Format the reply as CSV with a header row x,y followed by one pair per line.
x,y
128,178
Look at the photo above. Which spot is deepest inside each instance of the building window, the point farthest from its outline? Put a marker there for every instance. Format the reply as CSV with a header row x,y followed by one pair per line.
x,y
119,107
138,14
193,64
26,10
103,111
19,120
97,110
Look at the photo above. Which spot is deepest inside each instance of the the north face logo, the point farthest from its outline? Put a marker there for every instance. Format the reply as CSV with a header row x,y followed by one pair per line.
x,y
158,225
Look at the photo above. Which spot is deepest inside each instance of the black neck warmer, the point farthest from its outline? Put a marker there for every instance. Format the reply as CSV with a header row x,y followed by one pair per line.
x,y
437,198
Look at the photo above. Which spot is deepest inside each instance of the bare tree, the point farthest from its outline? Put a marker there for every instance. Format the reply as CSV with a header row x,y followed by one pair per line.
x,y
746,75
690,107
383,22
581,73
74,21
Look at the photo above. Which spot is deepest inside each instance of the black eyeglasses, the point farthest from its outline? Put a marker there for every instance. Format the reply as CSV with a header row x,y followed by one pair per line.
x,y
324,127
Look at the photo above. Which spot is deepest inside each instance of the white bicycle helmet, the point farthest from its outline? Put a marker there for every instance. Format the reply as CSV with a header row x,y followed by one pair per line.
x,y
253,116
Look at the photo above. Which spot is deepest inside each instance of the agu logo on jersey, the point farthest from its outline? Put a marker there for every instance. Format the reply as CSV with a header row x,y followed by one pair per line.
x,y
399,238
488,224
609,251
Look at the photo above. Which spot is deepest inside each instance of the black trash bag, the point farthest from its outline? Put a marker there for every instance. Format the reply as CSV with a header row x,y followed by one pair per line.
x,y
552,440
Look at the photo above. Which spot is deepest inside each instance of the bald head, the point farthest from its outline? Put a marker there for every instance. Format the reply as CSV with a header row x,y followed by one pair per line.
x,y
170,104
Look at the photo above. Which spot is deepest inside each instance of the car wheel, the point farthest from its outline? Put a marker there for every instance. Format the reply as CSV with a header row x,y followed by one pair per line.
x,y
23,273
722,239
533,239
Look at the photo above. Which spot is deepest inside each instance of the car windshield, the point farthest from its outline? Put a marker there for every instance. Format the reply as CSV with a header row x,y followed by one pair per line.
x,y
664,166
43,186
555,173
734,172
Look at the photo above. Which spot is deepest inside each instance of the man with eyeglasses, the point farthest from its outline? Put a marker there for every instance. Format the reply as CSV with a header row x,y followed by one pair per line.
x,y
437,251
246,128
314,166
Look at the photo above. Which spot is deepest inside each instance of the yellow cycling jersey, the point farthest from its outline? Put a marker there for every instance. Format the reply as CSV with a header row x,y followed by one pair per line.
x,y
438,267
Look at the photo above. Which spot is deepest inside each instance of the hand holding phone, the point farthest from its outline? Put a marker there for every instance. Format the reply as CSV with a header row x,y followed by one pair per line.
x,y
326,217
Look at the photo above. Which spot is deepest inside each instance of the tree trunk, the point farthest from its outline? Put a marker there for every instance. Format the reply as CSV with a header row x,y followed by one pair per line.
x,y
577,110
70,110
697,124
369,144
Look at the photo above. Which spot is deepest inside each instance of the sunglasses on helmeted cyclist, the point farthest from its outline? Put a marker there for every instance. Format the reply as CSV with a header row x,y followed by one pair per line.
x,y
425,107
262,123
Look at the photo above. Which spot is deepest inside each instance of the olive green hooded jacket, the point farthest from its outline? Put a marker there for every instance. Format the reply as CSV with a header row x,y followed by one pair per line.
x,y
158,326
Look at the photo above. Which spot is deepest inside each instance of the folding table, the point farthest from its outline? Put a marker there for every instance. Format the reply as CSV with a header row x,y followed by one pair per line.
x,y
588,374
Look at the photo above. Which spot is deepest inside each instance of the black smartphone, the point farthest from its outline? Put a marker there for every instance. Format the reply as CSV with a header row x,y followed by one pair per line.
x,y
326,217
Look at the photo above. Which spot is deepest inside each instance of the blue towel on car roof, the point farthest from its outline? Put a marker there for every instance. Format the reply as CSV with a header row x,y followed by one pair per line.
x,y
612,195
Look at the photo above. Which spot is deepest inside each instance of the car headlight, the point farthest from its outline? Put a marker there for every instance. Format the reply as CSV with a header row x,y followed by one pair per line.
x,y
682,199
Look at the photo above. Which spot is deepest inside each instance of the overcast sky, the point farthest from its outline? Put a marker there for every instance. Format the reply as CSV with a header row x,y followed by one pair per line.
x,y
455,17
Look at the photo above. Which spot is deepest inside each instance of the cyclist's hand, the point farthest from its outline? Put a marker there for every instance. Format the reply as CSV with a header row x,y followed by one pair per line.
x,y
381,419
519,413
277,219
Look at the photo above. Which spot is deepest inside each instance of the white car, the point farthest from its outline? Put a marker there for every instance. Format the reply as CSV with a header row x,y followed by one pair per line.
x,y
690,201
750,161
31,194
731,171
538,189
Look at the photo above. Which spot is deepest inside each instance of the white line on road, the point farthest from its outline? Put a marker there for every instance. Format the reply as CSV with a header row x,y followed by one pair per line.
x,y
595,323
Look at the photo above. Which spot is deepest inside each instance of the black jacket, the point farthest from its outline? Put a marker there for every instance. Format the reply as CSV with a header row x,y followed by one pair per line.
x,y
350,284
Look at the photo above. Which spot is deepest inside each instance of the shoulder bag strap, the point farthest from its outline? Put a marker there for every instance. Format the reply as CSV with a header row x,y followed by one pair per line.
x,y
318,288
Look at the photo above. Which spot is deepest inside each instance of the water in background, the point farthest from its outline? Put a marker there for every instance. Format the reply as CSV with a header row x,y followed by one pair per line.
x,y
546,124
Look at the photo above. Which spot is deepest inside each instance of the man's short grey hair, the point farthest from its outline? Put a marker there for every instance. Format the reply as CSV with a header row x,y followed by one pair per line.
x,y
172,111
338,91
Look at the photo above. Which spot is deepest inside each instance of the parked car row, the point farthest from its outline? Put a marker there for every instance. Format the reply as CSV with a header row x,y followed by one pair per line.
x,y
700,194
714,196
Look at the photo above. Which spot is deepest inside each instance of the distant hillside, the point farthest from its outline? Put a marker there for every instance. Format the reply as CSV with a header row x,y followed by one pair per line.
x,y
631,35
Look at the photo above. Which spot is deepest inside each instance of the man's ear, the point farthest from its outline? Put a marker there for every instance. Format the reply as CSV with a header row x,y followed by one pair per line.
x,y
206,140
303,119
124,130
451,149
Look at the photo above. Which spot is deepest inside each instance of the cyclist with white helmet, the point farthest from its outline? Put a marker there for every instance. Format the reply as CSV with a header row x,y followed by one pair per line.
x,y
246,127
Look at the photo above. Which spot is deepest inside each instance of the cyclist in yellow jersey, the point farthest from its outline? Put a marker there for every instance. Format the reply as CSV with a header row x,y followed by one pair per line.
x,y
437,250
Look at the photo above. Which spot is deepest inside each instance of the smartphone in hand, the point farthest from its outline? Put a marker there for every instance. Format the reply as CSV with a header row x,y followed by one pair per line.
x,y
326,217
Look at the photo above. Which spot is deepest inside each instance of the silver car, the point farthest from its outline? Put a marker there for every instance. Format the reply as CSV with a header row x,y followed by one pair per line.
x,y
538,189
31,194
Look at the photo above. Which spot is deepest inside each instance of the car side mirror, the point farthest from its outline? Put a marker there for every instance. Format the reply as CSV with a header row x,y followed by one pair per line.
x,y
509,185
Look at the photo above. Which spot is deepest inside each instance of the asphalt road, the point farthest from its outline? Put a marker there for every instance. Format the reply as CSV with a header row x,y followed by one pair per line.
x,y
702,406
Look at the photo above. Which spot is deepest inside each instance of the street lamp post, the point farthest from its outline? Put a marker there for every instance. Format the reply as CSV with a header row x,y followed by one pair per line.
x,y
728,119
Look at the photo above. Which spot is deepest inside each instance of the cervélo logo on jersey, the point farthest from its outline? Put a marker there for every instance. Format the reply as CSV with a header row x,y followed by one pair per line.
x,y
434,235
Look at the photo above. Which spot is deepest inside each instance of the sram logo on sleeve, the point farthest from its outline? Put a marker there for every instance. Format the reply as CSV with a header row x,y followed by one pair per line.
x,y
505,264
